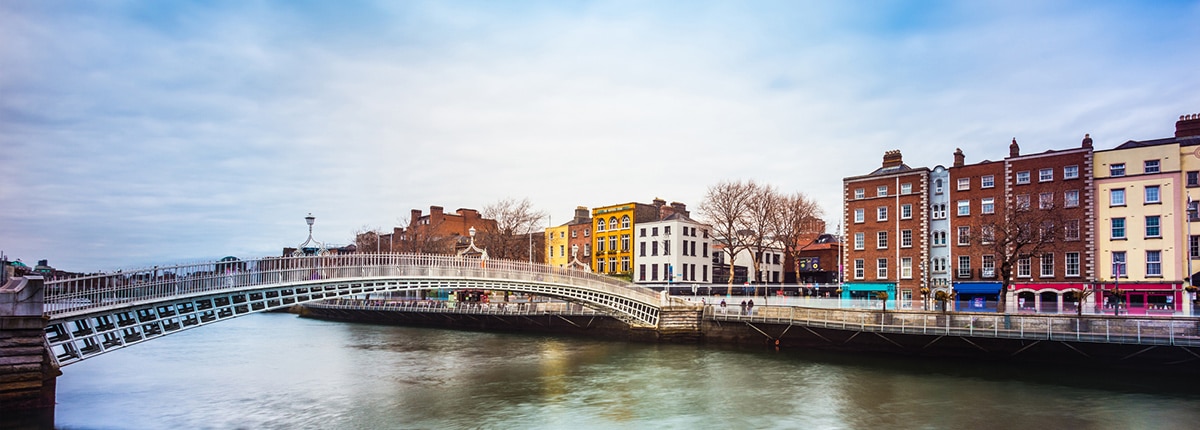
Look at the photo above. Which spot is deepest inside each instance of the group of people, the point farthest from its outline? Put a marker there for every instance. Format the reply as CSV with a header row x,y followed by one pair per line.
x,y
747,307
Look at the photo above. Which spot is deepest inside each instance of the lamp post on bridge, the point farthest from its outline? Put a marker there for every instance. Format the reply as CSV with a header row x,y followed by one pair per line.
x,y
310,246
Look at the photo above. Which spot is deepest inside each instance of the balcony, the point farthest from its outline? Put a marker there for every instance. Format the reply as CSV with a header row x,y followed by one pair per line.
x,y
963,273
987,273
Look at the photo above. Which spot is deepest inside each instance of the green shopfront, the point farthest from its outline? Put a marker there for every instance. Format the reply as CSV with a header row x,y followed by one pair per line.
x,y
867,291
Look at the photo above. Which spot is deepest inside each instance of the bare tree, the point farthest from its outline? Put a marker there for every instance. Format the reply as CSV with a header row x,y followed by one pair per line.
x,y
1021,233
366,239
421,238
763,203
726,207
510,237
793,218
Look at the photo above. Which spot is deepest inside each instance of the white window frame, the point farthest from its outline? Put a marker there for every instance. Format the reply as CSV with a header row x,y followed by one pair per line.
x,y
1153,263
1070,172
1116,197
881,240
860,241
1023,177
964,235
1071,198
987,205
860,215
1072,265
1116,169
1151,166
881,268
906,271
906,188
860,269
1046,175
906,238
881,213
1156,198
987,181
964,184
1024,268
881,191
963,208
906,211
1046,263
860,193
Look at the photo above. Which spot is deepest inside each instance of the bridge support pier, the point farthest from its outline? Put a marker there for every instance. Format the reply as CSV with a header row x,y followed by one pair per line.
x,y
27,371
680,324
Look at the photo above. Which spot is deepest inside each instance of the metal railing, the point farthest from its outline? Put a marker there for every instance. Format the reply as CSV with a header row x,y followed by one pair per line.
x,y
160,282
1178,331
468,308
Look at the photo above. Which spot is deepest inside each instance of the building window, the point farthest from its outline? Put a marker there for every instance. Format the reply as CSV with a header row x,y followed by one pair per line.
x,y
906,268
987,234
654,231
1118,265
939,265
1150,166
1045,175
860,193
987,181
587,249
642,249
1047,261
939,211
1152,226
1152,195
906,238
881,213
667,230
1116,197
641,272
600,267
881,268
1194,246
859,215
859,269
1071,229
1154,263
599,244
1071,199
624,264
881,240
1118,228
987,205
906,188
1046,200
939,238
937,186
964,235
988,267
1070,172
906,211
964,207
624,243
881,191
704,246
1022,202
1024,269
964,184
1193,178
587,232
612,225
625,222
654,247
642,232
612,245
1023,177
1072,264
964,266
600,223
1116,169
859,241
666,247
574,234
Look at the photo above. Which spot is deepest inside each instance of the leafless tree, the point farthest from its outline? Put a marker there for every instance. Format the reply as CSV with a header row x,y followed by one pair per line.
x,y
510,238
1021,233
794,217
726,207
420,238
763,203
367,239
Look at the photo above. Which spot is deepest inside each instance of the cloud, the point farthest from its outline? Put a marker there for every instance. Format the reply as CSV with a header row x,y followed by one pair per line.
x,y
146,133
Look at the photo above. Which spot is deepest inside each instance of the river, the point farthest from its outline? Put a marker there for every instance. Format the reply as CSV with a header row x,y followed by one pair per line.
x,y
281,371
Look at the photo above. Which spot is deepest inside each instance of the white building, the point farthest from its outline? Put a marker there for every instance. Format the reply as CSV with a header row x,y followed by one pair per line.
x,y
675,250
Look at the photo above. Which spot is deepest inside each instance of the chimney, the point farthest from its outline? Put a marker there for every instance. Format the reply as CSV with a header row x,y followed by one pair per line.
x,y
681,208
1013,149
435,210
1087,140
665,211
582,213
959,158
658,203
1188,125
892,158
416,215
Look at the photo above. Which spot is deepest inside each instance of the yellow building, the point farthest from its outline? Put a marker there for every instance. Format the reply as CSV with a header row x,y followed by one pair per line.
x,y
612,235
558,252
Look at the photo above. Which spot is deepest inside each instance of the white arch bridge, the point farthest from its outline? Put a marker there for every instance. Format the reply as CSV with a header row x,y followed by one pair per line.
x,y
95,314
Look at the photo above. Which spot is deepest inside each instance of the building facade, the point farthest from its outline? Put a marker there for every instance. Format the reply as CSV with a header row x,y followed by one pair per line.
x,y
674,251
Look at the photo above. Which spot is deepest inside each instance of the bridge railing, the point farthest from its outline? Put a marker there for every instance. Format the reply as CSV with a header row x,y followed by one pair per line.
x,y
441,306
1183,331
130,286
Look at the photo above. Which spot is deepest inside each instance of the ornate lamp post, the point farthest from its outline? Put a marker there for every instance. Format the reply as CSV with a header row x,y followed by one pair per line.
x,y
310,246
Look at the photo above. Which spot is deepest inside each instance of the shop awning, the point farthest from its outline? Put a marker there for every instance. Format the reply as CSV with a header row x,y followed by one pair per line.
x,y
978,287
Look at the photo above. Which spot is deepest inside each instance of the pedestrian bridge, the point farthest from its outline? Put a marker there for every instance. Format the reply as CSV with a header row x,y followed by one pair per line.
x,y
94,314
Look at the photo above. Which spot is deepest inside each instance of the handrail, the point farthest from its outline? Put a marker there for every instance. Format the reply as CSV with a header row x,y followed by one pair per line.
x,y
1179,331
148,284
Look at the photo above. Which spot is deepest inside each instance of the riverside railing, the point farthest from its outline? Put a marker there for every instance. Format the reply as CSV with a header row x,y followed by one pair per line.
x,y
469,308
160,282
1177,331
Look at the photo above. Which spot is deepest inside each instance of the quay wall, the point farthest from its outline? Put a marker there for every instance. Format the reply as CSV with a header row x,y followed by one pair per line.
x,y
767,331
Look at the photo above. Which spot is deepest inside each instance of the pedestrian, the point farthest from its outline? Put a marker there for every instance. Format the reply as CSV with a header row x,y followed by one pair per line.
x,y
743,307
722,306
750,307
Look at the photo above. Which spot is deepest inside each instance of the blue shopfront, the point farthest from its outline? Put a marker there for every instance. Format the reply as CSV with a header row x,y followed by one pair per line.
x,y
868,290
977,296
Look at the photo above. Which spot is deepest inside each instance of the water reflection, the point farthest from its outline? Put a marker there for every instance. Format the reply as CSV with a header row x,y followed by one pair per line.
x,y
277,371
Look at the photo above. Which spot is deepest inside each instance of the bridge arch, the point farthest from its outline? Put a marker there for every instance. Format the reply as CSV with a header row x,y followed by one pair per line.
x,y
95,314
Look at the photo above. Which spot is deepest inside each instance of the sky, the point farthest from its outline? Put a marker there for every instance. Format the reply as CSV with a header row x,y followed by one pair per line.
x,y
139,133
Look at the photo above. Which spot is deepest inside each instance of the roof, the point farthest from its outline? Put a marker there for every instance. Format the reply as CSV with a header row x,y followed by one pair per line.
x,y
1182,141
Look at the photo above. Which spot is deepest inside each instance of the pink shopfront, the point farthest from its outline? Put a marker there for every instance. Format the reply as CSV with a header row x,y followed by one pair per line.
x,y
1134,298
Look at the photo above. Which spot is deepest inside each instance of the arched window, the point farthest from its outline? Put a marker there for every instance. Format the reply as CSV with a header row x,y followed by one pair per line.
x,y
600,224
625,221
612,223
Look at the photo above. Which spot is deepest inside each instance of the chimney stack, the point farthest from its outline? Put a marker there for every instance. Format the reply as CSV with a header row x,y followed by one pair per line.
x,y
1188,125
416,215
959,158
1087,140
582,213
665,212
892,158
681,208
1013,149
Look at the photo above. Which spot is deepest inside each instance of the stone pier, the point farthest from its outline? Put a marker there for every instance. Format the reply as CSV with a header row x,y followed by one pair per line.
x,y
27,372
680,324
